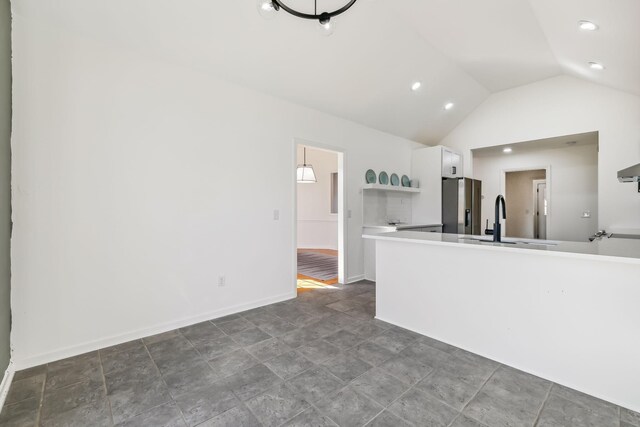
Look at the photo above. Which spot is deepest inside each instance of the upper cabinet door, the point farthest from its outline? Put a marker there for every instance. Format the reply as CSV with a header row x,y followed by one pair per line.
x,y
456,165
451,164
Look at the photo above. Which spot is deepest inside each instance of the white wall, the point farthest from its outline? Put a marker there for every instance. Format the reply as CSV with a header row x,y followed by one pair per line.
x,y
5,185
572,185
317,226
137,183
563,106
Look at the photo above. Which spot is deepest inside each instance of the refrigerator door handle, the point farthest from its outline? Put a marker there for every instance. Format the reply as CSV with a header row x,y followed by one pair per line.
x,y
467,217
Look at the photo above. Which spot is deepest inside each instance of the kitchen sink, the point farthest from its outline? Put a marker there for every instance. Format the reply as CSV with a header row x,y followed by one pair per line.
x,y
490,240
512,241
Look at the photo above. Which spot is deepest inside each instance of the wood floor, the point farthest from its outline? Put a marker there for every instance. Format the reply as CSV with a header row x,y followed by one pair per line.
x,y
321,251
306,283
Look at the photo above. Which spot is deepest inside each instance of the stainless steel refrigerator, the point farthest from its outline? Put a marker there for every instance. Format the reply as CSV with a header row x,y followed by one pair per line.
x,y
461,206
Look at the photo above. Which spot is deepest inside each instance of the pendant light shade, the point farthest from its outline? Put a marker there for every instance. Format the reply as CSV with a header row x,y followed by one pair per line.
x,y
305,173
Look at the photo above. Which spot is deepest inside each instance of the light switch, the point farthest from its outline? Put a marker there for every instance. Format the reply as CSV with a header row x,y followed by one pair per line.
x,y
276,215
586,214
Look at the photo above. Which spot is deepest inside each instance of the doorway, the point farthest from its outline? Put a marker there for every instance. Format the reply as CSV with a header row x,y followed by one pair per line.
x,y
526,191
319,216
540,208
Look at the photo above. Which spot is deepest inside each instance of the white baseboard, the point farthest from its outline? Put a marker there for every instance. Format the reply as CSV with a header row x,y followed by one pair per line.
x,y
99,343
6,382
357,278
394,324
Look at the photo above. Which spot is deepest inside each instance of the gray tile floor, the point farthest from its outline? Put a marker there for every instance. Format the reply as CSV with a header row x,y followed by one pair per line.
x,y
318,360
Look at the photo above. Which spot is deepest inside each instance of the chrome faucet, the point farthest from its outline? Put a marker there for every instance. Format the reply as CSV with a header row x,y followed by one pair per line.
x,y
497,232
599,235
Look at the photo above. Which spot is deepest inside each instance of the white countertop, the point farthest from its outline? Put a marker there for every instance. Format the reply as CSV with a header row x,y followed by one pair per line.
x,y
389,227
621,250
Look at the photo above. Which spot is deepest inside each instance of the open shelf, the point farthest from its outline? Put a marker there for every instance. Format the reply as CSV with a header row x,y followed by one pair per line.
x,y
383,187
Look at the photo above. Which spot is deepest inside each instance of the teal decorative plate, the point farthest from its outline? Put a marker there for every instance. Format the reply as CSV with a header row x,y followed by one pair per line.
x,y
406,182
370,176
395,181
383,178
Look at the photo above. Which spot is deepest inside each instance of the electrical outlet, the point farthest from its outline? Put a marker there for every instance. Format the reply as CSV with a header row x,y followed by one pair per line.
x,y
586,214
222,281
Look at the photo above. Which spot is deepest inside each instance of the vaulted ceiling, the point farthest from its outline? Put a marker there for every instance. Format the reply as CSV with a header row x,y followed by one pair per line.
x,y
461,50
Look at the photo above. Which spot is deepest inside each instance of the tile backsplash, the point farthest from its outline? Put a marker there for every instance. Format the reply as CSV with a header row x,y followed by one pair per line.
x,y
380,207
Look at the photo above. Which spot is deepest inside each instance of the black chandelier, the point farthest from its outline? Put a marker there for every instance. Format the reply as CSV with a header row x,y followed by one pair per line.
x,y
268,8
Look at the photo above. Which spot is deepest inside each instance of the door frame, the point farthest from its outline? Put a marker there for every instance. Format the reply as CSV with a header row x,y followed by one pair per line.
x,y
503,189
537,182
342,206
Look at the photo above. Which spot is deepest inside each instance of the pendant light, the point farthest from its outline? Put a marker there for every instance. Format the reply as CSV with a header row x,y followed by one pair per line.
x,y
304,172
269,8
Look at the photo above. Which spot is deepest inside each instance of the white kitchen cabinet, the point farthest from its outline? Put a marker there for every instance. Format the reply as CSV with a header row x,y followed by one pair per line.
x,y
370,259
429,165
451,164
370,244
370,251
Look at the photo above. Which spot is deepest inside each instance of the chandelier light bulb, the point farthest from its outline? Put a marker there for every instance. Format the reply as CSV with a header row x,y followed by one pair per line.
x,y
327,27
267,9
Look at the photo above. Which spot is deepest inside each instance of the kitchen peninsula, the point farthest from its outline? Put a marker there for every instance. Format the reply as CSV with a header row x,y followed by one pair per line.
x,y
565,311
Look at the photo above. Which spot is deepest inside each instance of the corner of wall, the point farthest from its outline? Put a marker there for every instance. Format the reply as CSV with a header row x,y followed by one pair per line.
x,y
354,279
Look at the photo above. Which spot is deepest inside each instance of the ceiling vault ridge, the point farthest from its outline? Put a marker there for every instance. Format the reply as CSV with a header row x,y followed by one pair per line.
x,y
461,53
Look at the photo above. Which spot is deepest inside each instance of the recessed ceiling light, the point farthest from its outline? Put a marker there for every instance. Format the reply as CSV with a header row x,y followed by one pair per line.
x,y
587,26
448,106
596,66
507,150
415,86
